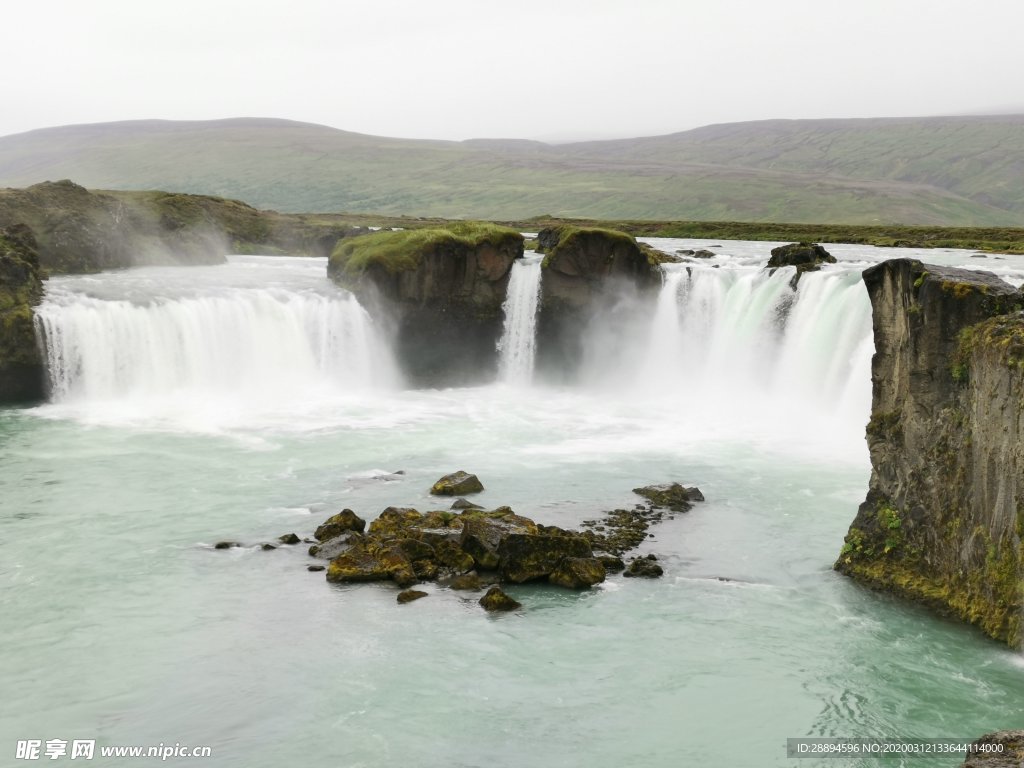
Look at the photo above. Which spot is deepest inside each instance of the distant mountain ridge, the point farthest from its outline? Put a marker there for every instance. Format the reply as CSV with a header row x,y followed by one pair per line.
x,y
953,171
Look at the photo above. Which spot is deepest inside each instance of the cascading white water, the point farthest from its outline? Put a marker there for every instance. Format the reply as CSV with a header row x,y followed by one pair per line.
x,y
744,344
517,346
172,338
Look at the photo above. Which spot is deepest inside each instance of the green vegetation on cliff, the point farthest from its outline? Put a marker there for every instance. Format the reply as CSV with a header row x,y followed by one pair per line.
x,y
21,288
943,522
400,251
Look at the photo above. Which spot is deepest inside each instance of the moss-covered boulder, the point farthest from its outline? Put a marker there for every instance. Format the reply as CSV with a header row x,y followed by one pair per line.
x,y
21,288
578,573
441,288
410,595
343,522
674,496
457,484
806,257
482,536
529,557
372,561
943,520
496,600
644,568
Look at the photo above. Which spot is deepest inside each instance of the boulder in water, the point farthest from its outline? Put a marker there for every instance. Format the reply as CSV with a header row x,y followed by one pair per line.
x,y
578,572
464,504
496,600
806,257
482,535
346,520
457,484
527,557
408,595
289,538
673,496
644,567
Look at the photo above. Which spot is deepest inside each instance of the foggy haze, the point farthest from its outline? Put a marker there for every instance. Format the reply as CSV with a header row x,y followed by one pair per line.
x,y
456,69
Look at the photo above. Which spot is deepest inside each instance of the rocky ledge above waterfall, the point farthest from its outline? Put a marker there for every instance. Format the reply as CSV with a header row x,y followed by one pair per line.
x,y
442,289
943,521
21,369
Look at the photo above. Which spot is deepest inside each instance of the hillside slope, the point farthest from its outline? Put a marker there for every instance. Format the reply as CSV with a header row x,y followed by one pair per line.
x,y
934,171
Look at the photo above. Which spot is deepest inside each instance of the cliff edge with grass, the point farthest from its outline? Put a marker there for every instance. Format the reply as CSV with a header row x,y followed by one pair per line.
x,y
943,521
441,288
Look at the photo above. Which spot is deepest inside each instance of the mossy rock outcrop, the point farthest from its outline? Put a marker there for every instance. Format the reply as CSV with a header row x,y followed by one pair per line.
x,y
457,484
441,289
80,230
585,272
21,288
943,521
806,257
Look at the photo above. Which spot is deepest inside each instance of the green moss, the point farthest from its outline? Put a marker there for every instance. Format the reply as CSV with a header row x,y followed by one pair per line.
x,y
402,251
885,424
571,238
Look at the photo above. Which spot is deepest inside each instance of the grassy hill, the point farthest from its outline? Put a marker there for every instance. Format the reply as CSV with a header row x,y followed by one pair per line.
x,y
964,171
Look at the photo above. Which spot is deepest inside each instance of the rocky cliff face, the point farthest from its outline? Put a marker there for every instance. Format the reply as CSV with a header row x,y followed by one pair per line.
x,y
80,230
943,520
441,289
21,368
585,269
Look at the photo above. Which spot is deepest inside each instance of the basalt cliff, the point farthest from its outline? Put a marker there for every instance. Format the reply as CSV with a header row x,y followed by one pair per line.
x,y
21,288
441,290
943,520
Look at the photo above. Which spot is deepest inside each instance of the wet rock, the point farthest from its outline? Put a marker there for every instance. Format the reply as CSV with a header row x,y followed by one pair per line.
x,y
526,557
346,520
672,496
395,521
1002,749
316,568
806,257
703,254
467,581
464,504
367,562
426,570
496,600
408,595
644,567
452,557
578,573
330,549
457,484
415,549
226,545
289,538
482,535
611,563
267,547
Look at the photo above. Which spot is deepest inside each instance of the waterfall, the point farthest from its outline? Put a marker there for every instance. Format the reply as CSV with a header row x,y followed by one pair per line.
x,y
518,341
236,343
740,349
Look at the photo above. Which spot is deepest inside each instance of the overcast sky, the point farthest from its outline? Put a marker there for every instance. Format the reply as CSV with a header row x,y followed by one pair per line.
x,y
457,69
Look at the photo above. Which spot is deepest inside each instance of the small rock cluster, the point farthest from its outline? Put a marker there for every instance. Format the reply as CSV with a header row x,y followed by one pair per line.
x,y
469,547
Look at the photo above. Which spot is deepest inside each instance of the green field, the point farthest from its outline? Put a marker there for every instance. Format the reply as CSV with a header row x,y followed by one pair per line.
x,y
964,171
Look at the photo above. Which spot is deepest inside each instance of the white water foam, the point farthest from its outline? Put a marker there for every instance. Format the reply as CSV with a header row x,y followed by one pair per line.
x,y
209,340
